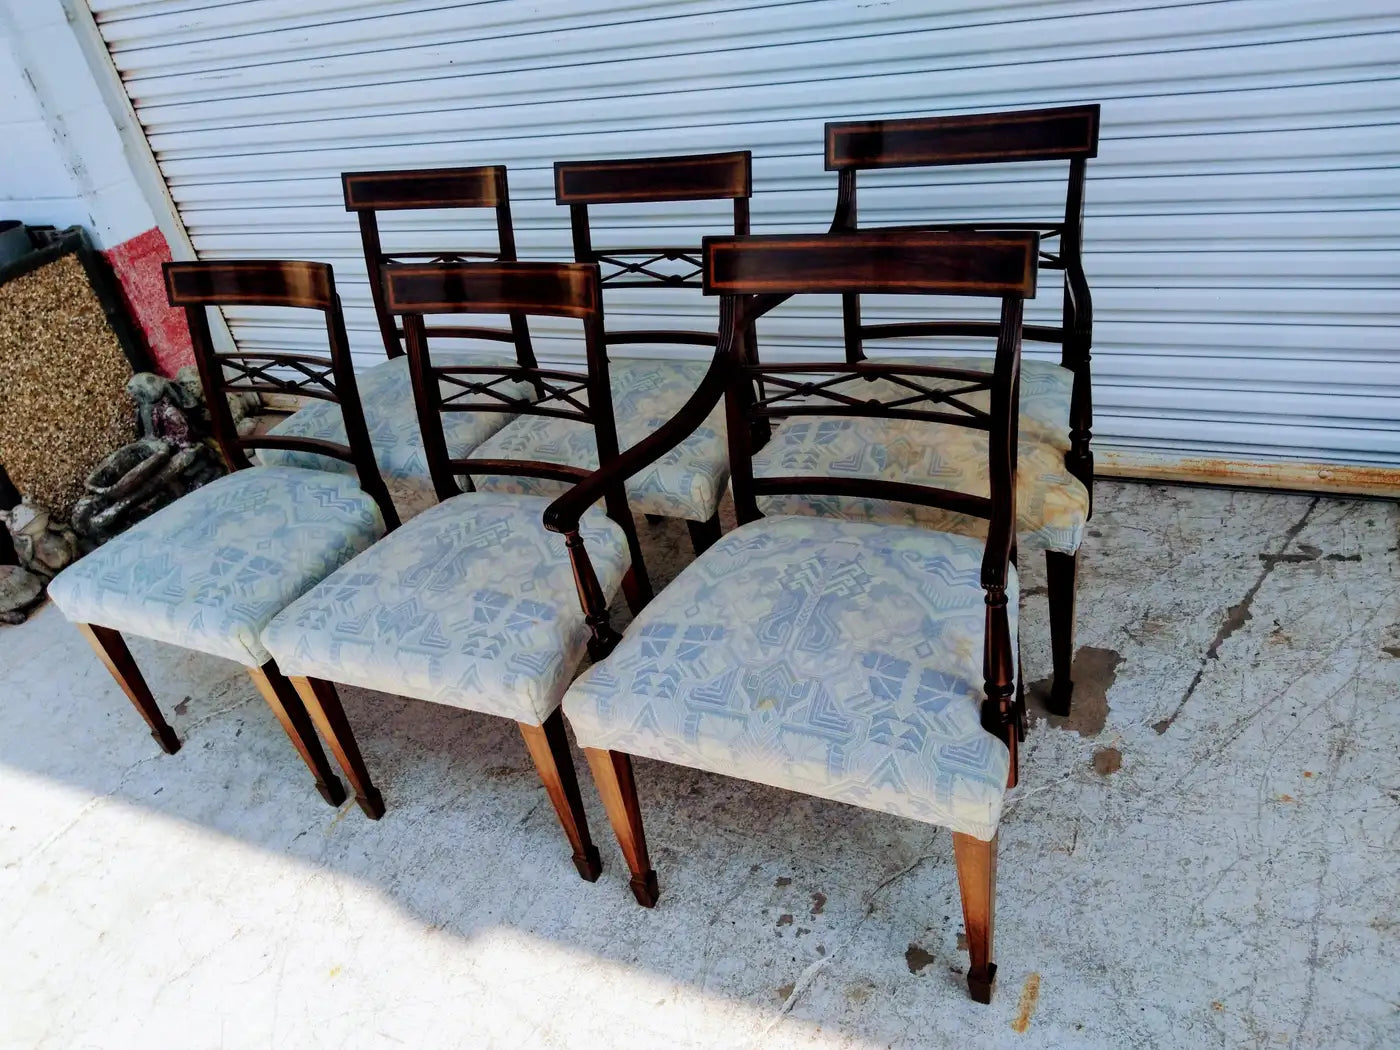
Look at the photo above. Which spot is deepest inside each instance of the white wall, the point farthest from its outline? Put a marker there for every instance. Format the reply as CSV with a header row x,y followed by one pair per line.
x,y
62,160
36,186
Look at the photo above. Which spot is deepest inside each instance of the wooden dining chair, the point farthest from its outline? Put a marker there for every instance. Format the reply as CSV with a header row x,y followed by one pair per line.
x,y
863,662
211,570
649,384
473,604
1057,478
386,388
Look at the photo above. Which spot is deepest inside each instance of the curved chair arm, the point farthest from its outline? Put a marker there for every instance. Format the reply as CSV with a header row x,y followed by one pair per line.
x,y
1077,284
564,513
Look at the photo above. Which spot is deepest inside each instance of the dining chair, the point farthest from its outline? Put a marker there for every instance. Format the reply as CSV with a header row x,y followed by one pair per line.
x,y
386,389
649,385
473,604
1057,475
209,571
864,662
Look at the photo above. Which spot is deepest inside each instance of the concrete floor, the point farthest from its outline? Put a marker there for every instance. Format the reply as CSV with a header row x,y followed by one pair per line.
x,y
1234,884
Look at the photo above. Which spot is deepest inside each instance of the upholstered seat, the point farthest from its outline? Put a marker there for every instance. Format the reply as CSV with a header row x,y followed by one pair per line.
x,y
386,392
471,604
836,658
209,571
1052,506
685,483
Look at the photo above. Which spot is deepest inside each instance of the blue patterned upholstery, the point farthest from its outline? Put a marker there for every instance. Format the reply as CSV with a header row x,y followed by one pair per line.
x,y
687,482
209,571
1052,506
840,659
472,604
386,392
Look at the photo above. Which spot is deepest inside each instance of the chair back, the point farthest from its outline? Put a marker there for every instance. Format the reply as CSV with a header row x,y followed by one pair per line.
x,y
369,192
754,274
196,286
652,180
1066,133
415,291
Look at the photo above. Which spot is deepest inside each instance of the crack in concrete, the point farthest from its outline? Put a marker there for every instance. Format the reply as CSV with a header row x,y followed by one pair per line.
x,y
805,979
1238,615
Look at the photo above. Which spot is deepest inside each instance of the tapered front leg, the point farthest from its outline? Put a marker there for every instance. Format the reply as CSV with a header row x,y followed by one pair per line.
x,y
549,748
323,705
1062,584
612,772
704,534
977,881
288,708
111,649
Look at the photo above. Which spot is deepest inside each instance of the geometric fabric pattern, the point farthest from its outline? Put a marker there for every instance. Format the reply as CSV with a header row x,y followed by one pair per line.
x,y
1052,506
839,659
210,570
471,604
687,482
386,393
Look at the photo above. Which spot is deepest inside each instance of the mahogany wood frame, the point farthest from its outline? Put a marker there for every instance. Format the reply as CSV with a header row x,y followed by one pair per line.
x,y
369,192
654,180
415,291
1064,133
196,286
755,274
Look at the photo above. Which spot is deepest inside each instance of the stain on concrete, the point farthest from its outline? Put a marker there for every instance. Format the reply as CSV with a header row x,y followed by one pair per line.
x,y
858,993
1093,671
916,958
785,919
1306,552
1107,760
1238,615
818,903
781,881
1031,592
183,706
962,941
1390,641
1030,995
785,990
500,772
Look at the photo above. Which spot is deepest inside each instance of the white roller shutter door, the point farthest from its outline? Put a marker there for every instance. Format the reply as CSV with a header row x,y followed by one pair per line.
x,y
1243,218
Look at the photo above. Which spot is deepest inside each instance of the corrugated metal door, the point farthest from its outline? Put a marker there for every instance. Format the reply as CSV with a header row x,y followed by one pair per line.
x,y
1243,229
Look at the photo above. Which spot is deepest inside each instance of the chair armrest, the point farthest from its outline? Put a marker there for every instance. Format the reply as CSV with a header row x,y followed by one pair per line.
x,y
564,513
1078,286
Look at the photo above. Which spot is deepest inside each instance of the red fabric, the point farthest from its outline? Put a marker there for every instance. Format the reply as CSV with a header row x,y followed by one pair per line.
x,y
136,263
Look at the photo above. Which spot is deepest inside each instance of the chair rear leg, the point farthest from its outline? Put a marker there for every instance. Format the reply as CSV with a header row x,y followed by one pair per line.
x,y
549,748
612,771
977,881
703,534
323,705
287,706
1062,584
111,649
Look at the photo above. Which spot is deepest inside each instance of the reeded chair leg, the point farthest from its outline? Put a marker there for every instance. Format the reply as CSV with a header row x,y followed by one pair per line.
x,y
703,534
287,706
549,748
323,705
977,881
1061,572
111,649
612,771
